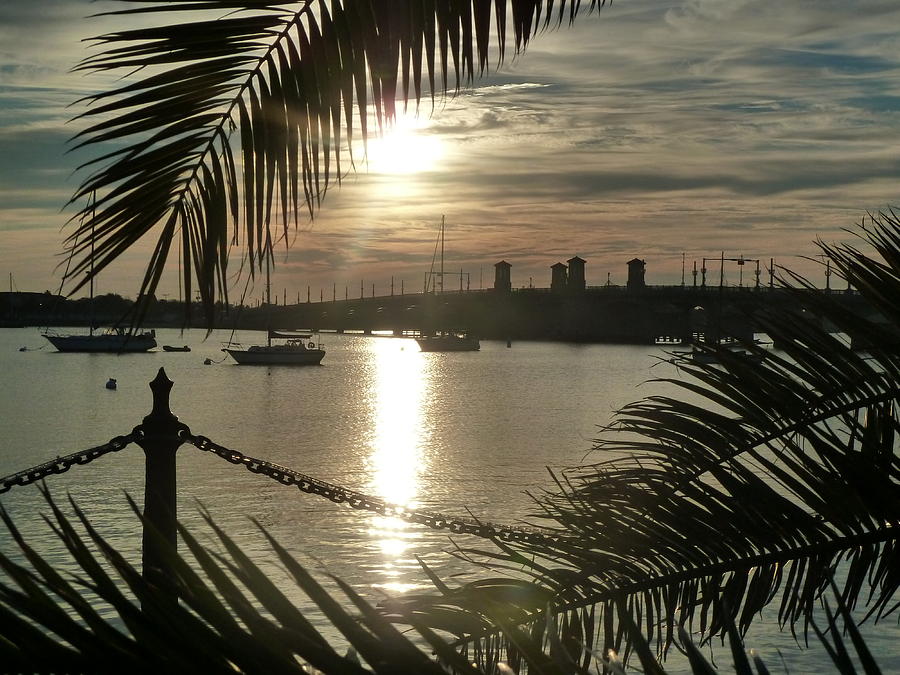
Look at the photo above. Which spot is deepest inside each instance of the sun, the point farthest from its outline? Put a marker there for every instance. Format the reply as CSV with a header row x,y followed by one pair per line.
x,y
405,147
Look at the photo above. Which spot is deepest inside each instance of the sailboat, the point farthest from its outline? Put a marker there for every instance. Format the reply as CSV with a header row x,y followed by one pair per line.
x,y
445,340
448,341
114,340
289,349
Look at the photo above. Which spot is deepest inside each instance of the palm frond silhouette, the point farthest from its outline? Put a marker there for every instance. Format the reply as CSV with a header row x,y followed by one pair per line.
x,y
236,115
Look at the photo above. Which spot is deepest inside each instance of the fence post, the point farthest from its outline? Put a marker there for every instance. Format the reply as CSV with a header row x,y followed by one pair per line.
x,y
161,435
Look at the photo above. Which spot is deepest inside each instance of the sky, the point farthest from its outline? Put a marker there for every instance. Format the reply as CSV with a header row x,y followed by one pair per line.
x,y
666,130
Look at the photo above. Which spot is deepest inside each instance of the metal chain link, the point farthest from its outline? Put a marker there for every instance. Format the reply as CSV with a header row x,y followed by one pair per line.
x,y
358,500
63,464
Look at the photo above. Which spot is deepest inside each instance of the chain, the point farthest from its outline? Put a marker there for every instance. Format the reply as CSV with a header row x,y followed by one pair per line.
x,y
63,464
363,502
336,493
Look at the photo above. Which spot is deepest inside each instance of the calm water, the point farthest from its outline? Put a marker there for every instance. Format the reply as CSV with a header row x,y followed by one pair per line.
x,y
447,432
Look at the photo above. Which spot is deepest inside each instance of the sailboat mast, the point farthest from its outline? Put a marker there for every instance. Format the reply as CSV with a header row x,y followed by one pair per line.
x,y
93,218
269,303
442,254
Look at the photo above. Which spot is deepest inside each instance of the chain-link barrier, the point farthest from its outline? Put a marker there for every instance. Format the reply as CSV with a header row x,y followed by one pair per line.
x,y
363,502
303,482
64,463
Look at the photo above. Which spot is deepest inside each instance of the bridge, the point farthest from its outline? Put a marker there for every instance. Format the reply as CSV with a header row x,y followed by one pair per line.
x,y
606,314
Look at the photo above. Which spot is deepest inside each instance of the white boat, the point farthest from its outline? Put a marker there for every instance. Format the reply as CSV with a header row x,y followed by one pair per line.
x,y
290,350
448,342
113,341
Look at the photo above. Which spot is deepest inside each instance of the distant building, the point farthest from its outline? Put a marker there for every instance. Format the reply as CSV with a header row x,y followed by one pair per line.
x,y
559,277
576,274
502,283
636,274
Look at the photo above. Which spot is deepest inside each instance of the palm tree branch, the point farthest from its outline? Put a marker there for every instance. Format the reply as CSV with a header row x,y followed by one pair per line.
x,y
655,585
652,416
291,79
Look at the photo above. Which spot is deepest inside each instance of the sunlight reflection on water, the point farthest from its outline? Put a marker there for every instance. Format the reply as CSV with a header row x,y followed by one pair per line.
x,y
402,417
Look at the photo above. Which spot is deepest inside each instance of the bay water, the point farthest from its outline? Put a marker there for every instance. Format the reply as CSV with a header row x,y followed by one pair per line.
x,y
457,433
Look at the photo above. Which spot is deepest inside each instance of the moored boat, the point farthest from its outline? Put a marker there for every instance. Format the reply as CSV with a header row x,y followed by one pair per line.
x,y
448,341
292,350
170,348
443,340
113,341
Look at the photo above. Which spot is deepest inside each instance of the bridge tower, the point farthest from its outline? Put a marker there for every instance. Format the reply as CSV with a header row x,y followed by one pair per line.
x,y
502,283
559,277
636,268
576,274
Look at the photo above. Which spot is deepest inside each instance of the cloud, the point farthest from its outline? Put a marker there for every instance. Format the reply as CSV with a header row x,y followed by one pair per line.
x,y
659,127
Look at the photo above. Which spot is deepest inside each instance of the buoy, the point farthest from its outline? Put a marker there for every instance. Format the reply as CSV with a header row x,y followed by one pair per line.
x,y
111,383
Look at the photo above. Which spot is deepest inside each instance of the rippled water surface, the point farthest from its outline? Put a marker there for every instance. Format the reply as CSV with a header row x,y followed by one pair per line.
x,y
454,432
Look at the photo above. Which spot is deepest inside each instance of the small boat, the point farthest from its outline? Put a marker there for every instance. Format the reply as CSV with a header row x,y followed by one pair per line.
x,y
111,383
448,341
115,340
290,349
170,348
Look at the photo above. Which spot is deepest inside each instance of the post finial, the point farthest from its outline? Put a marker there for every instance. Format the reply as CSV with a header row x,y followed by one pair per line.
x,y
161,386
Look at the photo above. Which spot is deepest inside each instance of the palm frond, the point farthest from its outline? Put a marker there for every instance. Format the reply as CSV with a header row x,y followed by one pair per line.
x,y
236,114
232,618
758,482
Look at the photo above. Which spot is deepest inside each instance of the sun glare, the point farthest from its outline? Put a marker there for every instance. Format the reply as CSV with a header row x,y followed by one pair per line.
x,y
406,147
399,428
401,434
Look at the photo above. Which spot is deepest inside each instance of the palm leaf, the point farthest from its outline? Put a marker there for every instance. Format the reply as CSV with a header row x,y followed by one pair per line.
x,y
758,483
49,625
235,115
221,623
